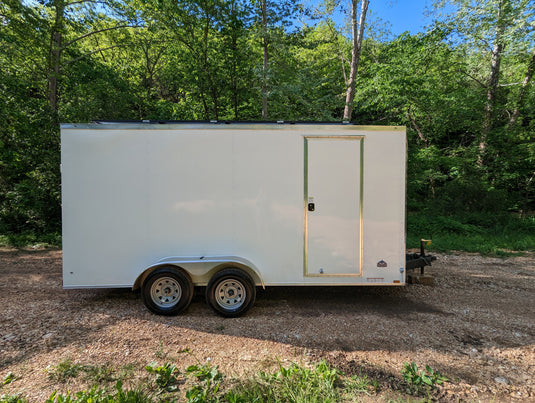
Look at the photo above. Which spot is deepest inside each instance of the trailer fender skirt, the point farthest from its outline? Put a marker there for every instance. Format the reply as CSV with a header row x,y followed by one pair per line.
x,y
201,266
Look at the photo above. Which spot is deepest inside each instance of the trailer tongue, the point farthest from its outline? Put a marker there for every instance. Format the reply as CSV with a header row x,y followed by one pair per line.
x,y
419,260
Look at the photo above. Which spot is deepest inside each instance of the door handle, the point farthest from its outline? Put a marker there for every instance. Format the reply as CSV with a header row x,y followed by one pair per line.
x,y
311,206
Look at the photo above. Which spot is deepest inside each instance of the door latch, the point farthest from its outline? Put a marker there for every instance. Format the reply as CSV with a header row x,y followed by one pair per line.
x,y
311,207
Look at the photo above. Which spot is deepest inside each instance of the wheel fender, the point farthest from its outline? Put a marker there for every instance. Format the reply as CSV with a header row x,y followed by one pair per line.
x,y
201,269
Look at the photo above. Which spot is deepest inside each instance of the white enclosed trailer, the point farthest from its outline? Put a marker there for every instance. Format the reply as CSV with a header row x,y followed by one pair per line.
x,y
166,207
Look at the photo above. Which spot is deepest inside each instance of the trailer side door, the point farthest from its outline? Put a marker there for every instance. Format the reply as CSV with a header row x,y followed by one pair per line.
x,y
333,206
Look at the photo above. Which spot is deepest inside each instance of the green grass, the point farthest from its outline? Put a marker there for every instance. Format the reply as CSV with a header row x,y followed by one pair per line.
x,y
484,233
322,383
64,371
97,395
95,374
30,240
203,383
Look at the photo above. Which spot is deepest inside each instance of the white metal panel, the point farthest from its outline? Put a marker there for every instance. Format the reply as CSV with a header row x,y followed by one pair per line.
x,y
384,206
190,210
268,193
105,202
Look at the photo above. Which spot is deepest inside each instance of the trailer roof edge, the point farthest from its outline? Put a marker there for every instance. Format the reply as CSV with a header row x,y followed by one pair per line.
x,y
137,125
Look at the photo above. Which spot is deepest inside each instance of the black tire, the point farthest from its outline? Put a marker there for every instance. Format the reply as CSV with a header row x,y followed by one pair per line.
x,y
231,292
167,291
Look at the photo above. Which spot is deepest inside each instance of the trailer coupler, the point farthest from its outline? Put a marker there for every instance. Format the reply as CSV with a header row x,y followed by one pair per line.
x,y
419,260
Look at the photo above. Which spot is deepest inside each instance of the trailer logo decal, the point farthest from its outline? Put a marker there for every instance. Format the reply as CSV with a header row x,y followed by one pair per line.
x,y
382,263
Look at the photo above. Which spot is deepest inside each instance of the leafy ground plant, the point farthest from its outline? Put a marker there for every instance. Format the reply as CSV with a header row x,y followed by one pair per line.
x,y
210,380
10,377
165,376
421,380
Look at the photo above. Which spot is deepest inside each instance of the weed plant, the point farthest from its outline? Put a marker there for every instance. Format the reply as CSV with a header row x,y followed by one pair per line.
x,y
209,380
10,377
421,381
165,376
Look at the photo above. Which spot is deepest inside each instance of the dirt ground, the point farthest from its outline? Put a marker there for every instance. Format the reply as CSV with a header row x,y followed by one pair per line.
x,y
476,326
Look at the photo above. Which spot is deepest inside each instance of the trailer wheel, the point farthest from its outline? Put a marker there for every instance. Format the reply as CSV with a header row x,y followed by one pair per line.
x,y
167,291
231,292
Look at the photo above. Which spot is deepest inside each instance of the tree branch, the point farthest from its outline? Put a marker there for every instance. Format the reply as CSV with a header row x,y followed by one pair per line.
x,y
66,45
508,85
86,1
91,53
416,127
473,78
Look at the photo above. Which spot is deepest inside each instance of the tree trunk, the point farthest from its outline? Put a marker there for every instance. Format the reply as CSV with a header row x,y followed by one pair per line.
x,y
527,79
54,56
492,88
265,60
357,31
235,75
421,134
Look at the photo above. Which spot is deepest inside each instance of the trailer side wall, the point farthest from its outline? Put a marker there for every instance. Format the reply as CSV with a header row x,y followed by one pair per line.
x,y
134,194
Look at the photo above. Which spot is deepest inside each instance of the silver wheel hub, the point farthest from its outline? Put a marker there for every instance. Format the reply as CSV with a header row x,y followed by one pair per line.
x,y
230,294
165,292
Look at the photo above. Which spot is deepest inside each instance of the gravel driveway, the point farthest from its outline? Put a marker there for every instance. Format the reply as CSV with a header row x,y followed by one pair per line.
x,y
476,325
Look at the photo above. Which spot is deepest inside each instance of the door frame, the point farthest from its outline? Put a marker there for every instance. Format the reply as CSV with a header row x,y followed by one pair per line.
x,y
306,139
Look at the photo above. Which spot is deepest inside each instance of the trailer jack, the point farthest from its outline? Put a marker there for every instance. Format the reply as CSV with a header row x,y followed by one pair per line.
x,y
419,260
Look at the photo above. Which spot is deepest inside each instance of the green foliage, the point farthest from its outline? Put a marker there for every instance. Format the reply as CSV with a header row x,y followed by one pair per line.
x,y
29,178
210,380
10,377
130,396
96,395
485,233
11,399
294,383
419,381
93,395
30,239
165,376
100,373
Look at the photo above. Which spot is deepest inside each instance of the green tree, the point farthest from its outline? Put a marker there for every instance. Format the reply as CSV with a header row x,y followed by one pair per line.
x,y
497,31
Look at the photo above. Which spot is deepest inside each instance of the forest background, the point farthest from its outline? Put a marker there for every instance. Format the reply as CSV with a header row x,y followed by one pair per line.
x,y
463,88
